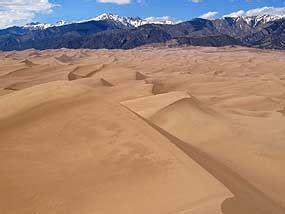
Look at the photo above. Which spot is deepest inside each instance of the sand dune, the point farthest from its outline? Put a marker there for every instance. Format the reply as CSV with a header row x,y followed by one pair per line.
x,y
64,159
86,71
151,130
140,76
106,83
282,111
191,117
64,58
14,86
28,63
253,103
149,105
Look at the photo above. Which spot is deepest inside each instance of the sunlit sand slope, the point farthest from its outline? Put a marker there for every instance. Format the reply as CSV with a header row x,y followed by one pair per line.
x,y
64,149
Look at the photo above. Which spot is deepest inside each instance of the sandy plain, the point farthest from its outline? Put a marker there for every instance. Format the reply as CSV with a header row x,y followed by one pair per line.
x,y
191,130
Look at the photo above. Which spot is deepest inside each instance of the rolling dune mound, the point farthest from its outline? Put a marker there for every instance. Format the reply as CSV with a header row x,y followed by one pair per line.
x,y
15,86
72,75
28,63
282,111
149,105
106,83
29,98
27,77
199,126
117,74
188,117
77,152
182,114
248,113
140,76
5,91
253,103
15,73
64,58
85,71
34,53
158,86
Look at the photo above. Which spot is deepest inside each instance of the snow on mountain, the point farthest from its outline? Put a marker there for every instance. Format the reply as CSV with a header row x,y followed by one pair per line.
x,y
257,20
126,21
37,26
61,23
253,21
164,20
42,26
134,22
265,19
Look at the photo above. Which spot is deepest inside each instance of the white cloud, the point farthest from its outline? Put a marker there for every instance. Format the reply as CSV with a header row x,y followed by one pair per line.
x,y
19,12
276,11
120,2
196,1
153,19
163,19
209,15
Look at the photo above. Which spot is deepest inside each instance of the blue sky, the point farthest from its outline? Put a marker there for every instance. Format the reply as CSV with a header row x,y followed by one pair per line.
x,y
177,9
19,12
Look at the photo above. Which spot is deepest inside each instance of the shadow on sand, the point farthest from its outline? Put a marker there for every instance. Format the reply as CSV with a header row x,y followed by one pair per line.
x,y
247,199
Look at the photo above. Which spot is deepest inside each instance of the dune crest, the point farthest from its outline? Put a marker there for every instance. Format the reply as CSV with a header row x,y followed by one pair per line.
x,y
28,63
282,111
64,58
29,98
106,83
140,76
184,114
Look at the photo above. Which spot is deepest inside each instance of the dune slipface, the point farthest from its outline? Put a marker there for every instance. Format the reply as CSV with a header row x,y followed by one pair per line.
x,y
150,130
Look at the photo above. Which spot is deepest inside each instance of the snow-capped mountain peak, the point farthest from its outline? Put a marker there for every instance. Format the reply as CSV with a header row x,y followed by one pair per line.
x,y
43,26
164,20
37,26
267,18
127,21
257,20
135,22
261,19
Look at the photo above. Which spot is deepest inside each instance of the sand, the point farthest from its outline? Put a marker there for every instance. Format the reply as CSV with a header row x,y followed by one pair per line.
x,y
191,130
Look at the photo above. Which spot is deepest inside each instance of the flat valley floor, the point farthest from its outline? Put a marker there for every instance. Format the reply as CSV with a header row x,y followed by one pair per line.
x,y
191,130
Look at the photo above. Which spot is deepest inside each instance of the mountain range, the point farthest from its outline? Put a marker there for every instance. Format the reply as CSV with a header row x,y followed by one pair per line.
x,y
119,32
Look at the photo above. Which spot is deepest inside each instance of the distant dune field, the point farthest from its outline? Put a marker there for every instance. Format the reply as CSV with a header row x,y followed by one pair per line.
x,y
159,130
